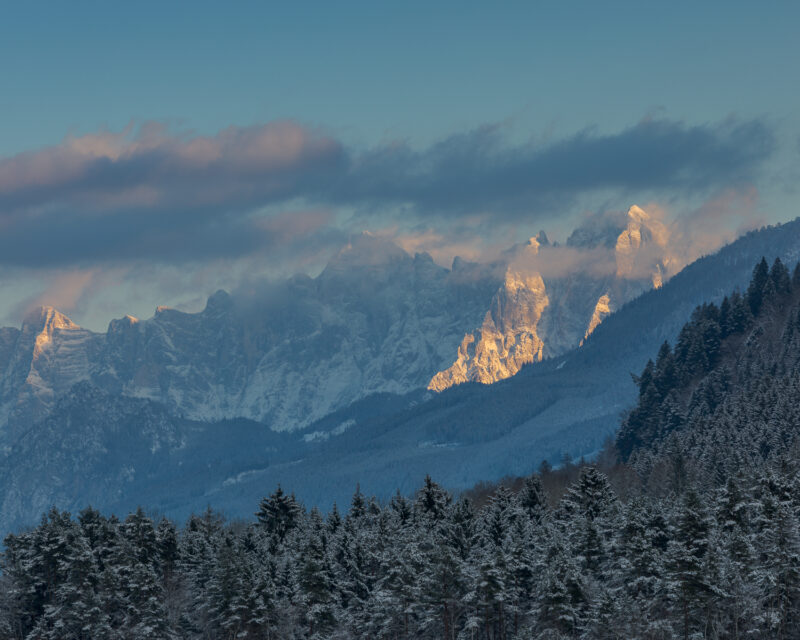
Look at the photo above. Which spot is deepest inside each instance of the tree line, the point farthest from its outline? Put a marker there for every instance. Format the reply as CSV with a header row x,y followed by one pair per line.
x,y
685,527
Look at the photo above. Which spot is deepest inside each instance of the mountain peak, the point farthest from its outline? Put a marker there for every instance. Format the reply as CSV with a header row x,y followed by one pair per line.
x,y
368,249
46,319
220,300
643,247
637,214
599,231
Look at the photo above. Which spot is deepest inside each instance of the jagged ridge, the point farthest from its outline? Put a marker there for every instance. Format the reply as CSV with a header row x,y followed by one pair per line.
x,y
534,316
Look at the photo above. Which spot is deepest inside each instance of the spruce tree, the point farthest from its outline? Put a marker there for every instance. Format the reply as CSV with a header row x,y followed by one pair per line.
x,y
279,513
755,291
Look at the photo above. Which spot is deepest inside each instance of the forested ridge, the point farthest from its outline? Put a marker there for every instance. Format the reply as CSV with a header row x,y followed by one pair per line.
x,y
726,397
686,527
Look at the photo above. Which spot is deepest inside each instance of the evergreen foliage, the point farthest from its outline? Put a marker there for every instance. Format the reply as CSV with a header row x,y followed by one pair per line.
x,y
715,563
687,528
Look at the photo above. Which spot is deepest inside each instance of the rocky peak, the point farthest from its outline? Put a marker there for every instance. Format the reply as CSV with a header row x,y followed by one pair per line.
x,y
642,247
536,314
637,214
459,263
219,302
367,250
46,320
598,231
42,323
121,325
532,245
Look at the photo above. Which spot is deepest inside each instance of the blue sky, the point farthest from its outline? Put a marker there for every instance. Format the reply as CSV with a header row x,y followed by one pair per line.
x,y
396,105
374,70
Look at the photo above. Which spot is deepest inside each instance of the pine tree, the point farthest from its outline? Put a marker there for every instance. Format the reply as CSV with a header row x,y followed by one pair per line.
x,y
755,292
779,275
402,508
665,374
398,589
796,276
562,598
520,577
532,499
741,314
140,533
145,616
198,551
492,592
334,519
780,579
499,516
279,514
591,496
641,566
358,505
462,530
686,555
432,500
74,611
443,585
316,582
725,318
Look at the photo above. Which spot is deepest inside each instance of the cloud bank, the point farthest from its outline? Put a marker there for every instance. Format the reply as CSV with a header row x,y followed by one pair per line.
x,y
478,172
149,193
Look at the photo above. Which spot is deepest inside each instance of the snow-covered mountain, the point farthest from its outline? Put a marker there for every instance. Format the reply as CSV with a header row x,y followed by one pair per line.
x,y
40,362
552,298
105,418
377,319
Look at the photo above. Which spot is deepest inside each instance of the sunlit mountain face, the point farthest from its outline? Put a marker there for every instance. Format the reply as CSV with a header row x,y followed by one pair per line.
x,y
376,319
553,297
399,320
321,383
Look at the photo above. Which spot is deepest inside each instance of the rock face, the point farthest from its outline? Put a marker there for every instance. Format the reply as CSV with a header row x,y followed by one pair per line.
x,y
553,298
42,361
508,337
100,445
375,320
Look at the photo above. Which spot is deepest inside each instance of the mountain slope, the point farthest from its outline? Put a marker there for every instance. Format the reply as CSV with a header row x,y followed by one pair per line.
x,y
567,405
564,405
544,308
727,396
375,320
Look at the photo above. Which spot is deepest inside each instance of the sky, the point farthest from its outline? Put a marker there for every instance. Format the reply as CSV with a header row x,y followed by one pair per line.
x,y
152,153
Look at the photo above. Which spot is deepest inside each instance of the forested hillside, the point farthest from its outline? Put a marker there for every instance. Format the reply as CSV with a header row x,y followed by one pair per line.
x,y
688,528
727,396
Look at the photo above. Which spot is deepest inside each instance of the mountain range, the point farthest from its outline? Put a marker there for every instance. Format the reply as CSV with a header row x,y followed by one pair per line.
x,y
369,372
375,320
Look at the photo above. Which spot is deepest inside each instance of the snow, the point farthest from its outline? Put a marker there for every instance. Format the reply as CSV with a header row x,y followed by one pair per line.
x,y
531,317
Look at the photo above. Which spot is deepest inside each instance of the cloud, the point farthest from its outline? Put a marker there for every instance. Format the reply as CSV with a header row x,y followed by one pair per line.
x,y
238,167
151,194
563,261
720,219
457,240
479,172
67,290
670,239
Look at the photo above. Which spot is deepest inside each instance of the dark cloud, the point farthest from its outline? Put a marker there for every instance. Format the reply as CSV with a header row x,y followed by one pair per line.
x,y
479,172
152,194
114,197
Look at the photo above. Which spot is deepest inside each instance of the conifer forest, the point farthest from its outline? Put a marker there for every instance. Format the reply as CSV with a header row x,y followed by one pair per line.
x,y
685,526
